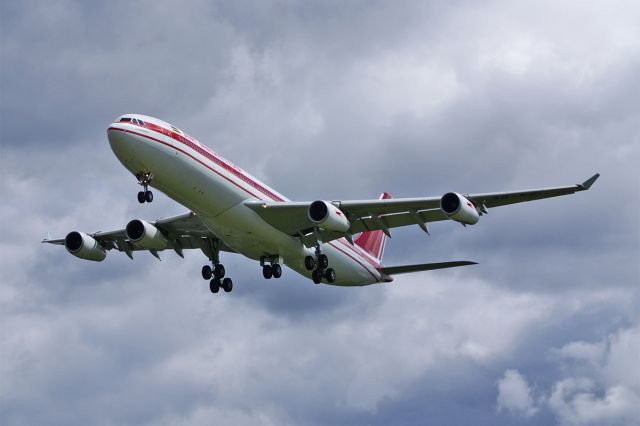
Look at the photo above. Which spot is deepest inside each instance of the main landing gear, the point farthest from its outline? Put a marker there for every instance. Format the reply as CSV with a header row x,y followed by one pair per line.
x,y
271,269
216,274
320,267
144,179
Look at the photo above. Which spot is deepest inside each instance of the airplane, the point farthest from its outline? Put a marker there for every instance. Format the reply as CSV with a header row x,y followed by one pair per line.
x,y
332,242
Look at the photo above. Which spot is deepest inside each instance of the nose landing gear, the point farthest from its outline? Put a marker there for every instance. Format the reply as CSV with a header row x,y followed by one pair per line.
x,y
144,179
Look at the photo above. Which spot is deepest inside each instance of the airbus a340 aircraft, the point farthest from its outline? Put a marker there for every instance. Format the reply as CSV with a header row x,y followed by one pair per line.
x,y
335,242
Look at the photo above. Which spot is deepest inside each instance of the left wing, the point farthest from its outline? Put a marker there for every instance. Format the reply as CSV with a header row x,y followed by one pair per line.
x,y
185,231
367,215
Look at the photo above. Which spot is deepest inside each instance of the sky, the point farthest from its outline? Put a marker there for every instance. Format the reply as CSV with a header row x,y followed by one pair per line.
x,y
327,100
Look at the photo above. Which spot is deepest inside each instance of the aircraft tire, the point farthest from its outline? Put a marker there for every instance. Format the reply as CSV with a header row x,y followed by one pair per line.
x,y
317,276
141,197
214,285
323,261
309,263
267,272
218,271
148,196
227,285
330,275
206,272
276,270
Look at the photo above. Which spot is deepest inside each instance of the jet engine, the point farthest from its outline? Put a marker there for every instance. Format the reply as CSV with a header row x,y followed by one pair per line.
x,y
459,208
328,216
84,246
145,235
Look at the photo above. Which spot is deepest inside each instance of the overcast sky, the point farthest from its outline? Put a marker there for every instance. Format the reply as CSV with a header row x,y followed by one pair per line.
x,y
327,100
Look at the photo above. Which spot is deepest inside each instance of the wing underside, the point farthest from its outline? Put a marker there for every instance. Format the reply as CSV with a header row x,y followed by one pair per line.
x,y
385,214
183,232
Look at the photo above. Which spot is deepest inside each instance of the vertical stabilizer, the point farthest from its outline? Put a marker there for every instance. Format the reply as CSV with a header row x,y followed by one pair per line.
x,y
373,242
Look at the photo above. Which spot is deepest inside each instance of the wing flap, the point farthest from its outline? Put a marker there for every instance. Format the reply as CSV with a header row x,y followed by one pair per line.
x,y
396,220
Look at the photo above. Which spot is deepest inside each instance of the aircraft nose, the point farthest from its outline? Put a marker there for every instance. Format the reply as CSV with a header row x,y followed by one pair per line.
x,y
122,143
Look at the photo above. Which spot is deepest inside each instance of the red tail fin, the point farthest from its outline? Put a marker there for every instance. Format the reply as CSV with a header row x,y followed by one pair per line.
x,y
373,242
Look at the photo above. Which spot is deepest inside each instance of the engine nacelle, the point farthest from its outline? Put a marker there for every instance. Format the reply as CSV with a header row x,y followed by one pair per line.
x,y
145,235
459,208
84,246
328,216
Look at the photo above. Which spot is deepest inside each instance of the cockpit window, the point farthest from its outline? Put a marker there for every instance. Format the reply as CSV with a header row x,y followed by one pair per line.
x,y
135,121
125,119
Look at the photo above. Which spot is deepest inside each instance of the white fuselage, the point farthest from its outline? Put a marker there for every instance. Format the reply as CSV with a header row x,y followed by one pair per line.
x,y
216,190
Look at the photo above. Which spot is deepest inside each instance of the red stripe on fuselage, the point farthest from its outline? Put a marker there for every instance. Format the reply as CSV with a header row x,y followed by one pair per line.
x,y
215,160
360,253
354,259
205,152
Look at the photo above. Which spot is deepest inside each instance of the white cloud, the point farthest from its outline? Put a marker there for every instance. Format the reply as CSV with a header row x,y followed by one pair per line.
x,y
514,395
578,402
610,392
602,385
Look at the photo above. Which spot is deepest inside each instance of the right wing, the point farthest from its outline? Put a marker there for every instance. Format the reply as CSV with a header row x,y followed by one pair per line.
x,y
185,231
384,214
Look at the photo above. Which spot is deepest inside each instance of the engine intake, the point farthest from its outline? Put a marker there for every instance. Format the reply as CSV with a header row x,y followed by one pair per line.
x,y
328,216
84,246
459,208
145,235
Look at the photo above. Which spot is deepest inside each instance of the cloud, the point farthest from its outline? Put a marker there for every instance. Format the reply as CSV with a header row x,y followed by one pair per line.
x,y
609,390
514,395
575,402
600,386
326,101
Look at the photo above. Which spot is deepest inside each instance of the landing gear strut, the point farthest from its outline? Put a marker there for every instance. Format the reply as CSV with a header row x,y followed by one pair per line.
x,y
216,273
144,179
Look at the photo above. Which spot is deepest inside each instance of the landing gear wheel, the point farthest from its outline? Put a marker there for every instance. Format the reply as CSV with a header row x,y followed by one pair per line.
x,y
276,270
206,272
309,263
214,285
148,196
227,285
323,261
267,272
317,276
141,197
330,275
218,271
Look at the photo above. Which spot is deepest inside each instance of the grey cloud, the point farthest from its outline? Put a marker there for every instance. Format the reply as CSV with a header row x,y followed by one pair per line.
x,y
601,386
330,101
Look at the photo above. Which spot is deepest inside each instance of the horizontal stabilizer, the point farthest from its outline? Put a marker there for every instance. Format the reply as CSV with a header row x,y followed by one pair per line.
x,y
393,270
